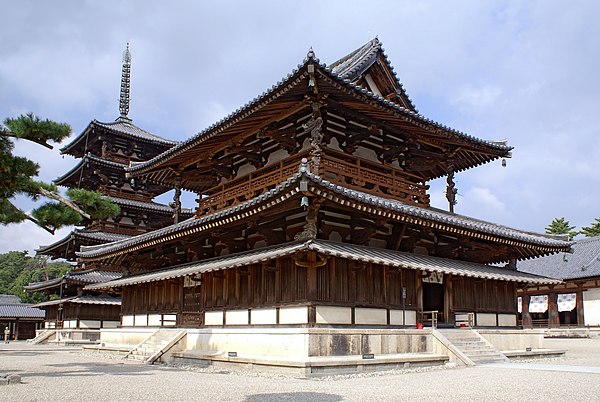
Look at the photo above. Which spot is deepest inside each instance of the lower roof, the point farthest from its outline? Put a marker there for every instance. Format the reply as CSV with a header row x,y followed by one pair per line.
x,y
75,277
374,255
100,300
20,311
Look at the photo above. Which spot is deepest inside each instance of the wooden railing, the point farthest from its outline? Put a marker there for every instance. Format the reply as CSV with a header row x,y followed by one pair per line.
x,y
351,171
337,167
249,186
428,318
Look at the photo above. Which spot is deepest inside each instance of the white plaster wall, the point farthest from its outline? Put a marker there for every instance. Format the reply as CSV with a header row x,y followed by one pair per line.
x,y
140,320
277,156
154,320
263,316
591,307
334,315
124,336
507,320
127,321
514,339
293,315
370,316
396,317
213,318
236,317
366,153
110,324
272,342
89,324
486,320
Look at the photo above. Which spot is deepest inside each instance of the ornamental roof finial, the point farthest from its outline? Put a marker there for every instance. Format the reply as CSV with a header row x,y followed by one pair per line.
x,y
125,83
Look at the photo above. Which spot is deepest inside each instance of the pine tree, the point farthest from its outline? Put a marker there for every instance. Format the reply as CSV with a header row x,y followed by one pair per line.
x,y
561,226
17,177
592,230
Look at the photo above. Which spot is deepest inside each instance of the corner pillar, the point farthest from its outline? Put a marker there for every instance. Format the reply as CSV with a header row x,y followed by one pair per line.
x,y
579,307
526,316
553,317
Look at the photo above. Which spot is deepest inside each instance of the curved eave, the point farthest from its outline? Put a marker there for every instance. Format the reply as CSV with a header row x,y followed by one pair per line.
x,y
76,171
377,206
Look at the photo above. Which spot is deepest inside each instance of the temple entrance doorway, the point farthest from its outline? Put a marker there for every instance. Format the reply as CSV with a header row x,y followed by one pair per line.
x,y
433,299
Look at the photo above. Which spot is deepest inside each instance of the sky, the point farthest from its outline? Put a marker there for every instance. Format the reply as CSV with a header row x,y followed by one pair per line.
x,y
524,71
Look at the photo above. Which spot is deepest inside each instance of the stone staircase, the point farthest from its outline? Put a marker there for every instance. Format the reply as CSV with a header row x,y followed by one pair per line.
x,y
42,337
473,346
154,346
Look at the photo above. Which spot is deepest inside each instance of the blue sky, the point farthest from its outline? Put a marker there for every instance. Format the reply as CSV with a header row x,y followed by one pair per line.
x,y
525,71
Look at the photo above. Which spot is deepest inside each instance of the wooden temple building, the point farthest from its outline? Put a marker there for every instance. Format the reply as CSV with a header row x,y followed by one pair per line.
x,y
575,302
314,227
104,150
21,319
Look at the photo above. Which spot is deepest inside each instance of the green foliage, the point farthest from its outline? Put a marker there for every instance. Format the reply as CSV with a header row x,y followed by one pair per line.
x,y
592,230
94,203
561,226
54,215
17,269
32,128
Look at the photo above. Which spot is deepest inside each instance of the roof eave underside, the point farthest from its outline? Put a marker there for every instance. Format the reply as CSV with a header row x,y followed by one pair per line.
x,y
378,108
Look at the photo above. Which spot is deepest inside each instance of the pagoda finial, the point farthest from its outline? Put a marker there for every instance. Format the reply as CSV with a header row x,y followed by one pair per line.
x,y
125,83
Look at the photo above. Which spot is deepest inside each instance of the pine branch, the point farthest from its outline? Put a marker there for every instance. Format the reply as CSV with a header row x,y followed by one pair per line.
x,y
31,218
64,201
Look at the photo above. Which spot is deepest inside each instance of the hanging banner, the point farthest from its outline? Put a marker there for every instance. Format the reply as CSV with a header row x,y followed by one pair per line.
x,y
434,277
519,304
566,302
538,304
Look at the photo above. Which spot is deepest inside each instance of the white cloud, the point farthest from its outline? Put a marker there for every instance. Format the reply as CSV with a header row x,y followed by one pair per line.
x,y
27,236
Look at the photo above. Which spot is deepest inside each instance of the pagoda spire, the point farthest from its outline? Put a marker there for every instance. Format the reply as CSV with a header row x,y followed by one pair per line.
x,y
125,84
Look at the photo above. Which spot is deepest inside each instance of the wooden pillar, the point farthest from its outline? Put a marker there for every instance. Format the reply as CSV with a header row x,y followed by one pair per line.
x,y
448,296
579,307
553,318
16,335
526,316
312,276
419,291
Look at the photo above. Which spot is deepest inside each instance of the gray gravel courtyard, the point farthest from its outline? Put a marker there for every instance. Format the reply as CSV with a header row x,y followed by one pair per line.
x,y
65,373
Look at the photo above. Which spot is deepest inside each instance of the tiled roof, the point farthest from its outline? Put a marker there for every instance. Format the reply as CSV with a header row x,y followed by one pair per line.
x,y
407,212
150,206
101,300
98,237
584,262
129,129
270,94
20,311
354,64
9,299
92,159
125,128
75,277
358,253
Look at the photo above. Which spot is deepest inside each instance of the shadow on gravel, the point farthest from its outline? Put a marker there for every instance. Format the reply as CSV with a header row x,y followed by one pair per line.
x,y
294,396
90,369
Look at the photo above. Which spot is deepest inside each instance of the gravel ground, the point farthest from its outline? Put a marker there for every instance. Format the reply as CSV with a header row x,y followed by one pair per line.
x,y
53,373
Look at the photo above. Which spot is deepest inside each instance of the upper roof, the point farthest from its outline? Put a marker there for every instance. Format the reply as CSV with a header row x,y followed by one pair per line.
x,y
9,299
401,211
122,127
20,311
355,64
76,173
83,234
264,106
584,262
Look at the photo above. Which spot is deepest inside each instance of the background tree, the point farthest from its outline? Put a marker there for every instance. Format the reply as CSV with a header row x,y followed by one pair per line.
x,y
561,226
592,230
17,177
17,269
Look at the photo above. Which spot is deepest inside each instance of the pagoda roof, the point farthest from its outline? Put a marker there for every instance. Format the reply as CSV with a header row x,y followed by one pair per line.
x,y
162,209
583,263
265,108
99,300
122,127
397,210
89,158
80,235
76,278
350,251
353,65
